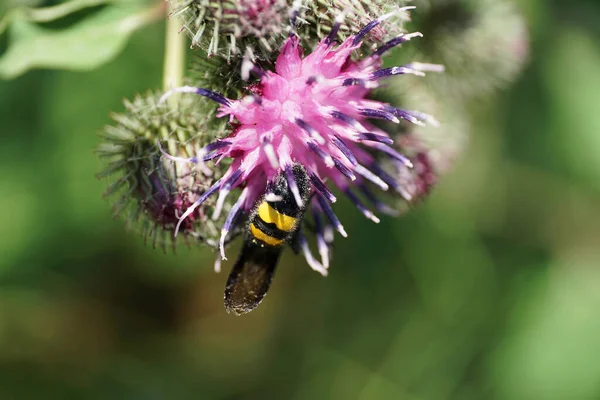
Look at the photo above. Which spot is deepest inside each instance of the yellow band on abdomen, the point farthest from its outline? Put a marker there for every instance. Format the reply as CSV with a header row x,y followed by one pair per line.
x,y
260,235
272,216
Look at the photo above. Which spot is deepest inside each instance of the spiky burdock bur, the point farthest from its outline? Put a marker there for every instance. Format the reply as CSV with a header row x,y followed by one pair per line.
x,y
228,28
314,110
153,190
482,43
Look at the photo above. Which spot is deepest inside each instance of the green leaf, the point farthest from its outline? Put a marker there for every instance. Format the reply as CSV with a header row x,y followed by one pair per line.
x,y
46,14
83,46
10,4
25,9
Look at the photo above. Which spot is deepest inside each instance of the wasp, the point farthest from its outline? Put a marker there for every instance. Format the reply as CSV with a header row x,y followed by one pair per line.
x,y
274,222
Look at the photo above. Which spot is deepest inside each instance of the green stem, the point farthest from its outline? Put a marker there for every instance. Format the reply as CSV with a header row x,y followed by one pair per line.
x,y
174,62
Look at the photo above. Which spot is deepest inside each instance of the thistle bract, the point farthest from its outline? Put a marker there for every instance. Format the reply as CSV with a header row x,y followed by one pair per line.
x,y
313,110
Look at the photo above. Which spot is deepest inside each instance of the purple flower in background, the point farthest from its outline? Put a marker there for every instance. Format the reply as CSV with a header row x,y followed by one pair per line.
x,y
312,110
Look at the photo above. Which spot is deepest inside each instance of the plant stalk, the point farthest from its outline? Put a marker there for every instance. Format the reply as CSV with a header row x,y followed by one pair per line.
x,y
174,62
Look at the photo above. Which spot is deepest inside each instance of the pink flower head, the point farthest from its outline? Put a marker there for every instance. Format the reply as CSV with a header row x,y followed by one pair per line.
x,y
312,110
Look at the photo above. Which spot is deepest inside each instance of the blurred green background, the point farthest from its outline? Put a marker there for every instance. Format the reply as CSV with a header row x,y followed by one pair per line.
x,y
489,290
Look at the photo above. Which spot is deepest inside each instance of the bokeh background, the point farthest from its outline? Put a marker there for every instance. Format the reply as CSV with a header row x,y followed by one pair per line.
x,y
488,290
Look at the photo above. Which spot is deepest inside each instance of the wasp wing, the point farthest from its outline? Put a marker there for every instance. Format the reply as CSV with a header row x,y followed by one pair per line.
x,y
250,278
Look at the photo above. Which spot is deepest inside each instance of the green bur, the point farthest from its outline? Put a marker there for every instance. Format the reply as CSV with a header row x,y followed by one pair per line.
x,y
482,43
227,28
151,191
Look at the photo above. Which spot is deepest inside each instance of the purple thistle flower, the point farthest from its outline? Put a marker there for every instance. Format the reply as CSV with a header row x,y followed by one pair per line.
x,y
315,111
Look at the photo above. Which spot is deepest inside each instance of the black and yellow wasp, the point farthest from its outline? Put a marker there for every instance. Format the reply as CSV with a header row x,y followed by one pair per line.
x,y
275,221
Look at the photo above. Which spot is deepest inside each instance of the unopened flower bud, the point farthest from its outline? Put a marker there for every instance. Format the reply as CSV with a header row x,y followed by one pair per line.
x,y
482,43
146,151
227,28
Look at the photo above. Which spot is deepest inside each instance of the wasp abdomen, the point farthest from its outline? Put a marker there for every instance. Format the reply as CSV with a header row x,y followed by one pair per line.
x,y
273,226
